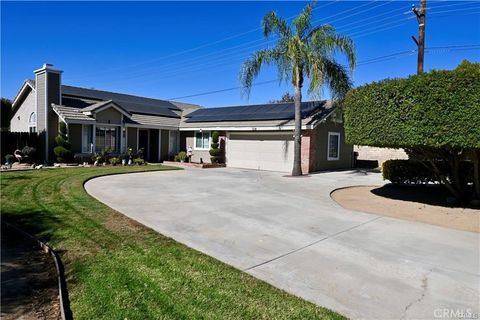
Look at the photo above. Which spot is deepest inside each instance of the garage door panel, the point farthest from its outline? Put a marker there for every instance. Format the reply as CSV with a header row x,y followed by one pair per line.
x,y
272,152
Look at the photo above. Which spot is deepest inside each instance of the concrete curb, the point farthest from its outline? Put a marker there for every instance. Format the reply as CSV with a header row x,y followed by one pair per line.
x,y
65,312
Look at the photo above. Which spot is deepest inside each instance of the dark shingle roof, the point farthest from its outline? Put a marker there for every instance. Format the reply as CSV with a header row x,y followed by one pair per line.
x,y
273,111
133,104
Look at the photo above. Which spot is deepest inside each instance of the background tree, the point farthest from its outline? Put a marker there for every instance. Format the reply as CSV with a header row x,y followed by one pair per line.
x,y
302,51
5,114
62,150
286,97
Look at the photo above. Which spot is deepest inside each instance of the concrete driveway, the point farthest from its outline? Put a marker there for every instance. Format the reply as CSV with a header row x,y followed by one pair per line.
x,y
288,232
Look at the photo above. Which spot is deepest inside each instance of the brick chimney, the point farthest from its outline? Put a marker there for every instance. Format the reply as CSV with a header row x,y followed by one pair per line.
x,y
48,91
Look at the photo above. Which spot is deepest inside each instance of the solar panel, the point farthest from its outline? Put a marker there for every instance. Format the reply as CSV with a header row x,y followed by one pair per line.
x,y
281,111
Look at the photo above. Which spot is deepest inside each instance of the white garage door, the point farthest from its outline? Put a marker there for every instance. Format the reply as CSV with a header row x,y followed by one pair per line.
x,y
262,151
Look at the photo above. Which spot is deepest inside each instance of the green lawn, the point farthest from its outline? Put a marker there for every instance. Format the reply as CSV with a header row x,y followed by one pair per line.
x,y
119,269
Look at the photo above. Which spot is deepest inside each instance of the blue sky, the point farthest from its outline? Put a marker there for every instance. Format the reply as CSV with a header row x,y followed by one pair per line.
x,y
175,49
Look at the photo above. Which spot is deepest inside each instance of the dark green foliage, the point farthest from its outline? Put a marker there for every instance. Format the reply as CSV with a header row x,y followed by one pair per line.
x,y
418,172
181,156
29,152
5,114
438,109
62,150
434,116
138,161
10,158
215,151
114,161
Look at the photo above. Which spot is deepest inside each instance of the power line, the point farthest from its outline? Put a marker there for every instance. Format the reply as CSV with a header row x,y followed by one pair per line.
x,y
362,63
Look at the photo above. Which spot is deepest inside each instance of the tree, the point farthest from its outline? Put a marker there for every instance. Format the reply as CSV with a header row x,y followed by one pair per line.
x,y
434,116
286,97
302,51
5,114
62,150
215,150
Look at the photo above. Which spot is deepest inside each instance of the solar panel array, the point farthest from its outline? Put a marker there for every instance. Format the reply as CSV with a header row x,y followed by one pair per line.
x,y
273,111
133,104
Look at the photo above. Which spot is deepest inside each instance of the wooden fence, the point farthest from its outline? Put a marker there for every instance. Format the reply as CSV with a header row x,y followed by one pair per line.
x,y
11,141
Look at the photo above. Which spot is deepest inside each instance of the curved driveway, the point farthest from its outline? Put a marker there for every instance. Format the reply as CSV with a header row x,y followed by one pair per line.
x,y
288,232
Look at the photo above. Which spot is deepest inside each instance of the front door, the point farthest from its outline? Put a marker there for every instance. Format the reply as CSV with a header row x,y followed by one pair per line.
x,y
143,142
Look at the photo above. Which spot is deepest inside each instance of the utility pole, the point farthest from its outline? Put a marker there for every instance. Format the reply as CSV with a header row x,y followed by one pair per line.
x,y
421,18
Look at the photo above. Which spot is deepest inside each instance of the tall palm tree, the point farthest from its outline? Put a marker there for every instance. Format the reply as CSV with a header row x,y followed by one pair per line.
x,y
302,51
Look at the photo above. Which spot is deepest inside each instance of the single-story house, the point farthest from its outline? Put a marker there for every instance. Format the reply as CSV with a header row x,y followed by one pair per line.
x,y
252,136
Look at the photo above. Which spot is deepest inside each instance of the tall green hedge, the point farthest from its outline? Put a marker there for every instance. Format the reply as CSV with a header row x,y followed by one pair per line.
x,y
436,109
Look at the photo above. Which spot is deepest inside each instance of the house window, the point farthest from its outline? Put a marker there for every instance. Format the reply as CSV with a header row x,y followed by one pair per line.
x,y
107,138
333,148
202,140
87,138
32,122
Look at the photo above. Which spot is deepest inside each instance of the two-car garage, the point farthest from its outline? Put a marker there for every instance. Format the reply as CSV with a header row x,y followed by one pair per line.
x,y
261,151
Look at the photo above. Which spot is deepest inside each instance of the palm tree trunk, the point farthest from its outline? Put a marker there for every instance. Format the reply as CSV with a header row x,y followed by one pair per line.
x,y
297,155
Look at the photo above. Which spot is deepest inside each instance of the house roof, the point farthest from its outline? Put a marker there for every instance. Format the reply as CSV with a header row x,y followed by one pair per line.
x,y
78,97
70,114
259,112
311,116
132,104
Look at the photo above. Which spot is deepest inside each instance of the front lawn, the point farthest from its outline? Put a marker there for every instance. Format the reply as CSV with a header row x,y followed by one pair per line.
x,y
119,269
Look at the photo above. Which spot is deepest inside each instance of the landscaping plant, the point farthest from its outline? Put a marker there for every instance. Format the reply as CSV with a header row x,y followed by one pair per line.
x,y
302,51
29,153
114,161
181,156
62,150
215,148
434,116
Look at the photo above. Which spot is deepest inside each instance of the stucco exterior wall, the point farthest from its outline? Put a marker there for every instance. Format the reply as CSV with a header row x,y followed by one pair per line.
x,y
20,119
318,148
110,116
379,154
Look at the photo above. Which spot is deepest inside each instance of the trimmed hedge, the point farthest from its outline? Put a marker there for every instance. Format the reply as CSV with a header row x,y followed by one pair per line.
x,y
416,172
436,109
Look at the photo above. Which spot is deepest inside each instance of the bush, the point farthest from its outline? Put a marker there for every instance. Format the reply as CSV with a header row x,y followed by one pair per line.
x,y
181,156
434,116
215,151
81,158
62,154
436,109
29,152
138,161
114,161
10,158
62,150
102,156
419,172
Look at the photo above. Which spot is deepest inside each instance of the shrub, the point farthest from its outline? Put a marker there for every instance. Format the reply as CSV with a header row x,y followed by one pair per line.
x,y
102,156
62,150
81,158
10,158
140,154
419,172
434,116
181,156
138,161
114,161
29,152
215,151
